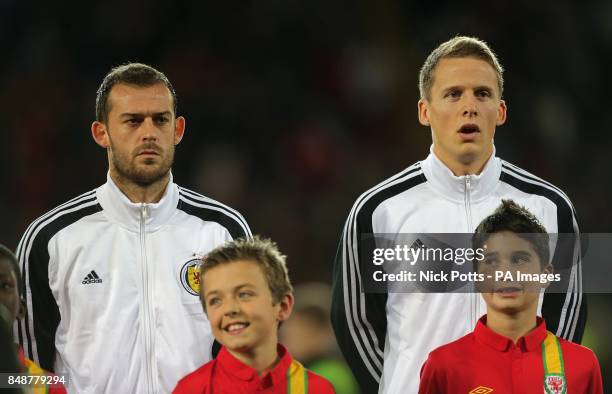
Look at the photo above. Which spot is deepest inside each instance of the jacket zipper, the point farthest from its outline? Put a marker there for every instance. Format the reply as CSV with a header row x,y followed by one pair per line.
x,y
468,202
145,300
468,213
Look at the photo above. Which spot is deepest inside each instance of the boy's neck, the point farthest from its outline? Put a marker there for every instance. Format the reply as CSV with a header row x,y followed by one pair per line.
x,y
512,326
262,359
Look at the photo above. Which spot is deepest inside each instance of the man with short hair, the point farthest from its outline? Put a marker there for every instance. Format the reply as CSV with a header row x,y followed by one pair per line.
x,y
386,337
111,277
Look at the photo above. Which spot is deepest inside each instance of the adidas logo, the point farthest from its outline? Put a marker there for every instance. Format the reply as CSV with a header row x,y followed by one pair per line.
x,y
92,277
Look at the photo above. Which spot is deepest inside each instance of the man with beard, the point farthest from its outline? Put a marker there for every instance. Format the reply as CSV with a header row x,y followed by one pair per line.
x,y
112,277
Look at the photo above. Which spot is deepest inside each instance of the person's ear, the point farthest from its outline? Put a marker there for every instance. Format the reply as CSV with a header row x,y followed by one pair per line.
x,y
548,269
22,309
423,112
502,112
286,306
179,129
99,133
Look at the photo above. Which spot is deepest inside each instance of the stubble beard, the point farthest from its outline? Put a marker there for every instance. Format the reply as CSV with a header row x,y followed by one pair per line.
x,y
145,173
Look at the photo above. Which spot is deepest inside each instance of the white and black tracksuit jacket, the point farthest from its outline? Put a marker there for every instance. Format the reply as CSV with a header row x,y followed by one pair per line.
x,y
387,337
110,288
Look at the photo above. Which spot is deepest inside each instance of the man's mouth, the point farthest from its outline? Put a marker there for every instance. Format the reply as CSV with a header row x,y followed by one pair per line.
x,y
148,152
469,129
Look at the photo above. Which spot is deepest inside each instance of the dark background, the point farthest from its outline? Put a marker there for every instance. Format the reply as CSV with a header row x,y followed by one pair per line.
x,y
294,108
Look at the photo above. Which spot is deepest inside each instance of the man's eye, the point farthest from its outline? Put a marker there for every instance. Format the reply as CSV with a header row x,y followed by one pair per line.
x,y
483,93
213,301
245,294
161,120
453,94
133,121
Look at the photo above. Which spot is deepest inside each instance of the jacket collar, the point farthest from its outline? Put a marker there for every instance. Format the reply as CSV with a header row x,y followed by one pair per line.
x,y
244,372
530,342
120,209
443,181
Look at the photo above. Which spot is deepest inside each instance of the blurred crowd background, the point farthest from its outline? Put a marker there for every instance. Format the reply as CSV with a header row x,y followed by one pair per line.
x,y
296,107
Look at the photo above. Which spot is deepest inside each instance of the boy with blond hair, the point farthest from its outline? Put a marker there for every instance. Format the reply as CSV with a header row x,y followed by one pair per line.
x,y
510,350
246,293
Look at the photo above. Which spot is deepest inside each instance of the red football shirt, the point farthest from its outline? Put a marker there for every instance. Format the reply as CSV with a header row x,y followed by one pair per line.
x,y
484,362
228,375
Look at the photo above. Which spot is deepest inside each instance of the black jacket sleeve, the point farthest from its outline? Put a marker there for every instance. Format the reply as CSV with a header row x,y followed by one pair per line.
x,y
359,319
564,306
36,332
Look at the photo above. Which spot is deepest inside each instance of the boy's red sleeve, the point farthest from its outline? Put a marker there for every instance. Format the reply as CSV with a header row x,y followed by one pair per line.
x,y
57,390
596,385
318,384
184,387
197,381
432,377
190,384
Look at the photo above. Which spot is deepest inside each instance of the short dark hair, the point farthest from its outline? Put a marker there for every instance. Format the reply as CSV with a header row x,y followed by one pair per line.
x,y
8,255
262,251
510,216
457,47
136,74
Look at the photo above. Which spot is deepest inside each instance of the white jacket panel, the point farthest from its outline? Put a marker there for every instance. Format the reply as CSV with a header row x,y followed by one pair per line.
x,y
387,337
111,302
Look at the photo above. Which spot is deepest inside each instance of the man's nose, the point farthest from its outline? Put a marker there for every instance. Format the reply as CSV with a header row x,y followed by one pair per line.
x,y
470,106
149,129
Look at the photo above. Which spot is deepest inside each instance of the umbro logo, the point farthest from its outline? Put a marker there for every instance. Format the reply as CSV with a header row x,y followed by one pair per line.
x,y
481,390
92,277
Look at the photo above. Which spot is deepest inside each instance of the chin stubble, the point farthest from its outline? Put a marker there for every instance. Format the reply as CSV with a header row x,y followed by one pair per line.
x,y
139,174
